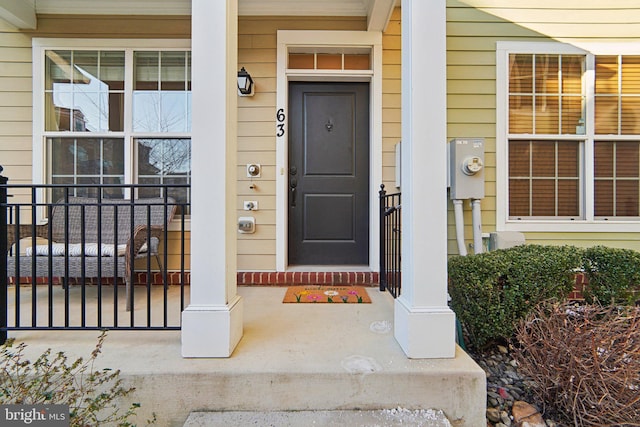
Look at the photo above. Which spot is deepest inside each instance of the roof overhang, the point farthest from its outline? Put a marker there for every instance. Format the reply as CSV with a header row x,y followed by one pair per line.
x,y
19,13
23,13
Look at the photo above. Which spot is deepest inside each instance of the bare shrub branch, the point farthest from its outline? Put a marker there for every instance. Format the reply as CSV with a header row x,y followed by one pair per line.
x,y
93,395
584,360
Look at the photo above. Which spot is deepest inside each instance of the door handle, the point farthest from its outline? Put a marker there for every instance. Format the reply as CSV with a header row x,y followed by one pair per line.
x,y
293,183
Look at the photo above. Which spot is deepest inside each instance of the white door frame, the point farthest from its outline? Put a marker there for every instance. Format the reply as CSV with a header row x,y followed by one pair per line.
x,y
324,39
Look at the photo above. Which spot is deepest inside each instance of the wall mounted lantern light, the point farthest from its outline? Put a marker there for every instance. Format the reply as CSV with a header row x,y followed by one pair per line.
x,y
245,83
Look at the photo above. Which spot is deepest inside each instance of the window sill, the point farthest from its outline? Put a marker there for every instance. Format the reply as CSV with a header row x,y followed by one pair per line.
x,y
571,226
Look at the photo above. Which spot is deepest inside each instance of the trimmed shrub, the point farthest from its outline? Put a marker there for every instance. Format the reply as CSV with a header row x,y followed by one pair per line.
x,y
584,362
491,292
613,275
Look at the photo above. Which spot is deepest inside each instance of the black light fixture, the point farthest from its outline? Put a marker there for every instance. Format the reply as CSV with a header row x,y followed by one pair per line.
x,y
245,83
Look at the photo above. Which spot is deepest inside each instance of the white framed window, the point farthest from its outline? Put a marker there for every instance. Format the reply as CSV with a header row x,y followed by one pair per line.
x,y
112,112
568,137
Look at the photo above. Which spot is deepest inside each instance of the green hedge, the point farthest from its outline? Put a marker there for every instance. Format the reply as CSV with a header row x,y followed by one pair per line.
x,y
613,275
491,292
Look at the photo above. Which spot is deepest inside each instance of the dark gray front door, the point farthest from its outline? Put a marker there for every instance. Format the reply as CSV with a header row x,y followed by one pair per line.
x,y
328,173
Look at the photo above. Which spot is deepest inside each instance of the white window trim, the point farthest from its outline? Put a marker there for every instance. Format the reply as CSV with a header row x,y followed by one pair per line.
x,y
324,39
39,46
589,223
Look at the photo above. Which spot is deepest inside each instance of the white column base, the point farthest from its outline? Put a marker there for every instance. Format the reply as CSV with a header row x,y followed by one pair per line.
x,y
211,331
425,333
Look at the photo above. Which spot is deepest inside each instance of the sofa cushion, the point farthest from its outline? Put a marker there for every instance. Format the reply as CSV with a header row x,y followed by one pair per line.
x,y
75,249
25,243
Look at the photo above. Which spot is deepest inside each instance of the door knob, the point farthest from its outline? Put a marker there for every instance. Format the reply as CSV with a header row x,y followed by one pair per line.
x,y
293,183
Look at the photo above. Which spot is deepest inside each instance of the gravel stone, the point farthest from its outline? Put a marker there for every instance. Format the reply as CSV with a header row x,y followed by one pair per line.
x,y
505,385
493,415
504,417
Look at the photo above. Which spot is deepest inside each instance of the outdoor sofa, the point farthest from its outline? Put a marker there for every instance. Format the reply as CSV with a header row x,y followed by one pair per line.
x,y
69,245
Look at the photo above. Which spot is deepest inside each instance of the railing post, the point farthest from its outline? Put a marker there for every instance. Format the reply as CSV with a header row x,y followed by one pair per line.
x,y
397,282
3,258
383,239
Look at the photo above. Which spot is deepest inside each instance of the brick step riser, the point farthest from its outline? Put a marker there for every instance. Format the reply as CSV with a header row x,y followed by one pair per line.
x,y
243,278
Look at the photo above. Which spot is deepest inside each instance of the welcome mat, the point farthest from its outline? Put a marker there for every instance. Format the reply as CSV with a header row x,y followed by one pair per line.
x,y
327,294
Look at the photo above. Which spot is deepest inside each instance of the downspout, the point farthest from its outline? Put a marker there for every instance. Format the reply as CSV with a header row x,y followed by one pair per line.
x,y
476,218
459,218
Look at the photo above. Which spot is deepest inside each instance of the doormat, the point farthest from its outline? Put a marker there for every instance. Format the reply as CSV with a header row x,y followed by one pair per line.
x,y
327,294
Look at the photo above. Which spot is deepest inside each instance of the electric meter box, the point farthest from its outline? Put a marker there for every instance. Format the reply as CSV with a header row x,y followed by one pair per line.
x,y
466,168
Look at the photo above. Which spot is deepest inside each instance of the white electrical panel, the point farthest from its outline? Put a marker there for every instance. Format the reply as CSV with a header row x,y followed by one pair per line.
x,y
466,168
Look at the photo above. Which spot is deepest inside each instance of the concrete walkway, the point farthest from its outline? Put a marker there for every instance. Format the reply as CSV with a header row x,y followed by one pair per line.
x,y
292,357
384,418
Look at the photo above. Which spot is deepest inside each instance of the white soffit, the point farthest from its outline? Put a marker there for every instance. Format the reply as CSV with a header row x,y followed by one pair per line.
x,y
19,13
304,7
379,14
183,7
22,13
113,7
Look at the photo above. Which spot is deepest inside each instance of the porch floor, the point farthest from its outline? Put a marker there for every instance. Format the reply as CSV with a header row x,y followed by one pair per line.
x,y
292,357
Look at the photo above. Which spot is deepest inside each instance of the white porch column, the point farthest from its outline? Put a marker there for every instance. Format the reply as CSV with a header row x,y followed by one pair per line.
x,y
212,323
424,324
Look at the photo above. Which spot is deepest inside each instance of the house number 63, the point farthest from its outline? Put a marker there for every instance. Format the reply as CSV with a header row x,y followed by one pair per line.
x,y
280,118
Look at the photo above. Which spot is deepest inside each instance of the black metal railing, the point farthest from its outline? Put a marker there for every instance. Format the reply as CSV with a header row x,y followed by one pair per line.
x,y
3,257
390,233
93,258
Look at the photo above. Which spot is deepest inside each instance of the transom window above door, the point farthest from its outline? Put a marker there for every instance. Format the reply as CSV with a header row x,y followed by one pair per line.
x,y
301,58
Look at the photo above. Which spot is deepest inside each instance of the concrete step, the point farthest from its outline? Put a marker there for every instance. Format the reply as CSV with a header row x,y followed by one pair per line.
x,y
293,359
382,418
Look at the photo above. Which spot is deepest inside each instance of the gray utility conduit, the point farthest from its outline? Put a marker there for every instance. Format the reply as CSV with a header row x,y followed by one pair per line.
x,y
459,218
476,216
477,226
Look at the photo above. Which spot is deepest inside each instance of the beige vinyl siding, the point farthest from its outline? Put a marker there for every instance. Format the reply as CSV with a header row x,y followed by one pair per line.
x,y
257,39
572,19
16,86
471,101
256,115
113,26
473,29
391,99
15,104
585,240
173,255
